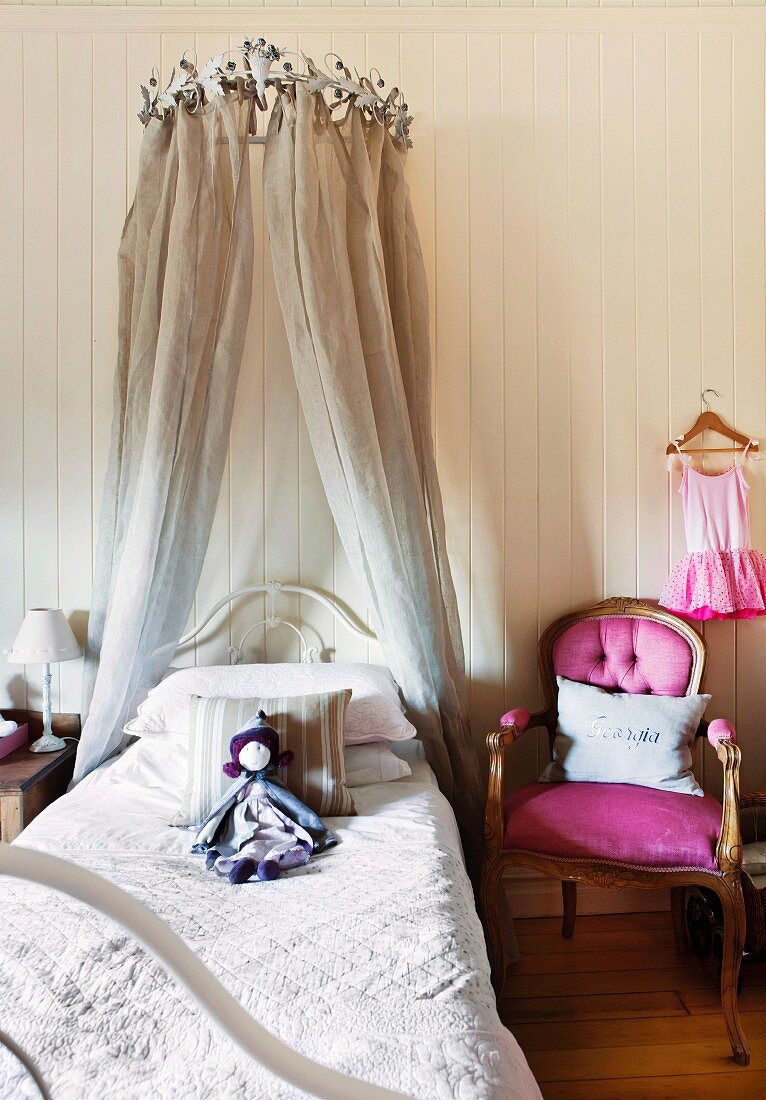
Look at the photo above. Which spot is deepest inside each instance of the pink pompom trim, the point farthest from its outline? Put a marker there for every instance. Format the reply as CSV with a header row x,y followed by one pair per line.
x,y
703,614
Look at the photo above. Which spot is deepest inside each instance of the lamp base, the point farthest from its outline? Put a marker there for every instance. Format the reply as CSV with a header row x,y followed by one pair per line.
x,y
48,743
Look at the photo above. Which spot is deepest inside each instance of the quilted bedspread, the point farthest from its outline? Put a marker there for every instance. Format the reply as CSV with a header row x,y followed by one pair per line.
x,y
371,960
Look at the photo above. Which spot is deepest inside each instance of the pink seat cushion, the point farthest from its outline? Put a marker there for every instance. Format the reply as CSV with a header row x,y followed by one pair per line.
x,y
635,655
614,821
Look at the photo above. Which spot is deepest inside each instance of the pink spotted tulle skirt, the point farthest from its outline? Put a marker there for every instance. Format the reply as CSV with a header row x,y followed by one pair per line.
x,y
717,584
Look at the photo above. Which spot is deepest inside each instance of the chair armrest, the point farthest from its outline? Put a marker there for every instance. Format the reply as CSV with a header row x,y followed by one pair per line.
x,y
519,720
513,723
722,736
518,717
720,729
752,799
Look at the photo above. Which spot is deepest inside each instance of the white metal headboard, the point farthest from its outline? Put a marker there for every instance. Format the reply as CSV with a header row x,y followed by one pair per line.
x,y
272,590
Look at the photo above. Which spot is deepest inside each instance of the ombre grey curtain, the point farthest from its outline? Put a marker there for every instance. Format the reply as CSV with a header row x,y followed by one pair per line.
x,y
353,292
185,273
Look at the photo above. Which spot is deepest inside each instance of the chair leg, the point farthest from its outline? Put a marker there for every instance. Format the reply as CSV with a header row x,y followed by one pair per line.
x,y
491,882
678,912
733,905
569,895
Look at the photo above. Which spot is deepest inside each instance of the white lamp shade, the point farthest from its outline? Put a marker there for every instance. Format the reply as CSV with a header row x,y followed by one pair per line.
x,y
45,638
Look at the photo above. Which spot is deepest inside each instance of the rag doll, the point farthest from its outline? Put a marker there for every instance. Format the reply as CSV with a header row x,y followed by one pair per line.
x,y
259,828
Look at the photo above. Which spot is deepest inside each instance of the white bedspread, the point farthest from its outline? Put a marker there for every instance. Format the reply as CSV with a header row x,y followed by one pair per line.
x,y
371,960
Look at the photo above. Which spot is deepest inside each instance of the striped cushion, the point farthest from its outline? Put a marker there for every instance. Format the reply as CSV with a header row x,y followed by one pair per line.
x,y
311,725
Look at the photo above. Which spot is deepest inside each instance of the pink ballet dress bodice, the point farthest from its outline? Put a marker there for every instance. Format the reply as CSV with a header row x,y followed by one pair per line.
x,y
721,576
716,515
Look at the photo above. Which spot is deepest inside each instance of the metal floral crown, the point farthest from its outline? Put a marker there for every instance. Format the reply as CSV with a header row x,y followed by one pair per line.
x,y
192,88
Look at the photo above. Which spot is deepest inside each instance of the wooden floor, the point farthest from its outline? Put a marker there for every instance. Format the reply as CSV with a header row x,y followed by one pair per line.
x,y
619,1012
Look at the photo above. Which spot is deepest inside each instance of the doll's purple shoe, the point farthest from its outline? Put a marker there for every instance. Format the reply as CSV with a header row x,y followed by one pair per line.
x,y
242,870
268,869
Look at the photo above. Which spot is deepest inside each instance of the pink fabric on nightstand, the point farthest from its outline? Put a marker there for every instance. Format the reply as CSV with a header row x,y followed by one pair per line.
x,y
623,654
614,821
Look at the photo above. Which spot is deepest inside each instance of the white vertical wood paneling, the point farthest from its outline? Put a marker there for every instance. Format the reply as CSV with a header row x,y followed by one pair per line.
x,y
12,530
75,460
553,319
417,80
486,625
653,423
592,215
520,356
554,549
619,314
109,172
144,53
684,230
684,261
41,386
586,442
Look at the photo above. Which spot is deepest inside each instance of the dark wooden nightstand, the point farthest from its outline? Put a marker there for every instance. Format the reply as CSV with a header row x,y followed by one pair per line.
x,y
30,781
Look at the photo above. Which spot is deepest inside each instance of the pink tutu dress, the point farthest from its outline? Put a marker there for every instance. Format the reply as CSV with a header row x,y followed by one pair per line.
x,y
721,577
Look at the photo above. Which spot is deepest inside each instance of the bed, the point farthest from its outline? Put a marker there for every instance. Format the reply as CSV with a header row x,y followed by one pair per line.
x,y
371,959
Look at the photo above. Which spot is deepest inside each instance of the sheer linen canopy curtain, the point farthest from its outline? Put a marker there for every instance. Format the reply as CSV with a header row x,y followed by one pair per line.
x,y
353,292
185,275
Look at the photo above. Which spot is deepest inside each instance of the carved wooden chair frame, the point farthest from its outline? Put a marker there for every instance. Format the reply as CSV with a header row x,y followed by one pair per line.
x,y
725,884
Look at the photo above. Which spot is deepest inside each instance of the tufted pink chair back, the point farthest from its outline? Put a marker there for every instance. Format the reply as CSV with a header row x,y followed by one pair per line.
x,y
628,654
623,645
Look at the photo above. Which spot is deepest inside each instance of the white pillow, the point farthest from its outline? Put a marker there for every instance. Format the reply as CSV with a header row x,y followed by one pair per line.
x,y
614,737
375,712
312,726
375,763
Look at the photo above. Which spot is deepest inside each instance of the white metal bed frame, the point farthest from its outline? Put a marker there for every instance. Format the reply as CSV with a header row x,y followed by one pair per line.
x,y
272,590
159,939
188,969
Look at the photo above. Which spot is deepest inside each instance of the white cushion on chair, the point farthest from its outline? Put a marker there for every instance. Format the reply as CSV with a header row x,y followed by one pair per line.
x,y
615,737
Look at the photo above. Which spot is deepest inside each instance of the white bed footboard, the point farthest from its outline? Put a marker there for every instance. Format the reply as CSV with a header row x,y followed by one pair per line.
x,y
160,940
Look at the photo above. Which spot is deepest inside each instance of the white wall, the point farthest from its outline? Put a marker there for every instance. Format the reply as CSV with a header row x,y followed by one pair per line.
x,y
590,191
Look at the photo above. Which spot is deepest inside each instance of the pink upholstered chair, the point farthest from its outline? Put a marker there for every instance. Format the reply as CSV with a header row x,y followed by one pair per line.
x,y
614,834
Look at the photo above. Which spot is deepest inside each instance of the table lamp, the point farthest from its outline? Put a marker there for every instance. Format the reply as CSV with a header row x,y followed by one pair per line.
x,y
45,638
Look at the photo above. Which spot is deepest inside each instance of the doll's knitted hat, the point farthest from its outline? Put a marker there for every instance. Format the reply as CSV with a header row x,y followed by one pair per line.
x,y
265,735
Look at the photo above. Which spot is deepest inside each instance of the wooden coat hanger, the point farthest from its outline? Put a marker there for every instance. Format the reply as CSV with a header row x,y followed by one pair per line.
x,y
708,421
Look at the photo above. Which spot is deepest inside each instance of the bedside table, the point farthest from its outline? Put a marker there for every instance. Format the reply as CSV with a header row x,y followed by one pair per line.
x,y
30,781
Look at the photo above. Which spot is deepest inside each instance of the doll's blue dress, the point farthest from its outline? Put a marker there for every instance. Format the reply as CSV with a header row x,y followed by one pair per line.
x,y
258,818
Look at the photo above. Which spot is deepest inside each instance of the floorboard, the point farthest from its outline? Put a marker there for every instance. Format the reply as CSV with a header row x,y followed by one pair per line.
x,y
553,943
618,1011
